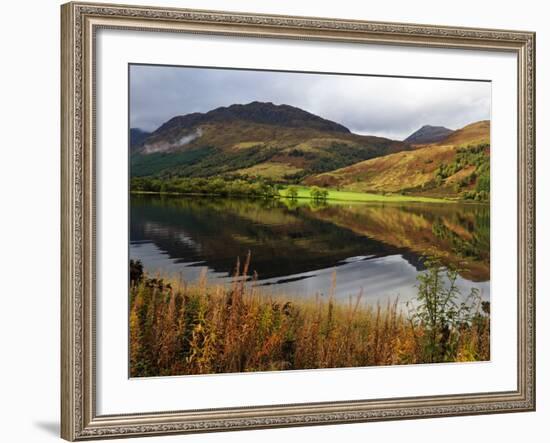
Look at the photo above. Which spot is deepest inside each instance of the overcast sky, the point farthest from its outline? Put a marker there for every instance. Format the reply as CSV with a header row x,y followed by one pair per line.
x,y
388,107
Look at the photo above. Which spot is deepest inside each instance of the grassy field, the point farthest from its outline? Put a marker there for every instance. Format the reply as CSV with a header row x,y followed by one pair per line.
x,y
180,328
304,193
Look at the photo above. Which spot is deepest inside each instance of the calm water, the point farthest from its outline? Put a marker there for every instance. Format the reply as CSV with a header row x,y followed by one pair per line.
x,y
296,248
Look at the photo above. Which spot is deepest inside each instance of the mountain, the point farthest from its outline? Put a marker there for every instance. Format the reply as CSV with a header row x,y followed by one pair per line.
x,y
137,136
281,142
255,112
428,134
457,164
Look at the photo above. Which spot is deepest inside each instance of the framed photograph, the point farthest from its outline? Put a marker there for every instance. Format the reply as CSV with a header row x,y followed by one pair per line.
x,y
283,221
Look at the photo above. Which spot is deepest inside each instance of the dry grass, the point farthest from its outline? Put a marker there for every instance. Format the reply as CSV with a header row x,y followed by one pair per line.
x,y
406,170
179,328
473,134
270,170
390,173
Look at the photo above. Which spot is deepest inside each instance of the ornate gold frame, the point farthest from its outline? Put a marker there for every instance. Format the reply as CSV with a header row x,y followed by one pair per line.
x,y
79,420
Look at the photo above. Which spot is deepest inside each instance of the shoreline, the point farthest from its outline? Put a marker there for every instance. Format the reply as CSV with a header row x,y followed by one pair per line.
x,y
360,197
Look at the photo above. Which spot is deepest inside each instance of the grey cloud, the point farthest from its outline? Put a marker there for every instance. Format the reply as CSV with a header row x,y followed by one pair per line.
x,y
390,107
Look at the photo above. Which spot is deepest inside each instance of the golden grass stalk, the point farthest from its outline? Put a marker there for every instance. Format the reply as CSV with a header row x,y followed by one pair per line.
x,y
177,328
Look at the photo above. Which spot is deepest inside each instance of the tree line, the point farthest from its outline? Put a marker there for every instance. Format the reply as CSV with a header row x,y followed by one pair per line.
x,y
224,187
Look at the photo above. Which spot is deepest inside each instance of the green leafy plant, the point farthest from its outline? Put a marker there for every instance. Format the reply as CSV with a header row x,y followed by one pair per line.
x,y
441,314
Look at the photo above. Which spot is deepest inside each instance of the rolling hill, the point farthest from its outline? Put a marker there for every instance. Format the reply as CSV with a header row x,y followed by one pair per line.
x,y
458,164
474,133
258,139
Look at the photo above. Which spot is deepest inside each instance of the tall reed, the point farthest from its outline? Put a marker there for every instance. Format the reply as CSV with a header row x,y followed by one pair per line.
x,y
178,327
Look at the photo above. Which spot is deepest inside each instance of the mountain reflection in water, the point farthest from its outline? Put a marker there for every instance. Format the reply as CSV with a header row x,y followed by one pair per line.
x,y
374,248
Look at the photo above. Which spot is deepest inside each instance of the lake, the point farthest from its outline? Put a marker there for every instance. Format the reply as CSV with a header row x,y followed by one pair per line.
x,y
296,247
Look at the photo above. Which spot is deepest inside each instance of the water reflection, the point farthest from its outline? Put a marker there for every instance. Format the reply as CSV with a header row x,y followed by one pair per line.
x,y
296,248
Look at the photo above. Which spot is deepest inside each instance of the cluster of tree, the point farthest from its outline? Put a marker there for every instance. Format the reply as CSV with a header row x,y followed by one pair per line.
x,y
224,187
166,163
471,155
292,192
209,186
318,194
199,162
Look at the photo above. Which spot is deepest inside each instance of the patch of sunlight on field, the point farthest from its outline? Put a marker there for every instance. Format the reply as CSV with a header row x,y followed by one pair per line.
x,y
247,145
314,144
270,170
304,192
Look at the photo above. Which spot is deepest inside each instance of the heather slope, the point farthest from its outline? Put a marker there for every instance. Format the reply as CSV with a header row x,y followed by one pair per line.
x,y
446,168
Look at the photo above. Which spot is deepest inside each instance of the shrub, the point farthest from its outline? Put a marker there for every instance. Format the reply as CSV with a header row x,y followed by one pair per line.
x,y
441,315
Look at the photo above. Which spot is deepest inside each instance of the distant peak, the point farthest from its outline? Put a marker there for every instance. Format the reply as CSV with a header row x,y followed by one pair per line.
x,y
433,127
428,134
